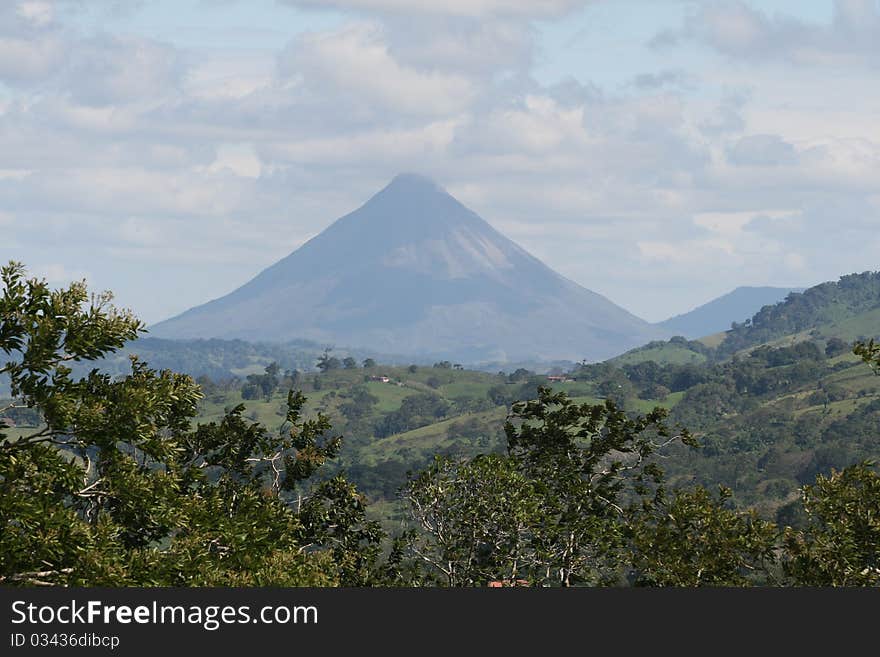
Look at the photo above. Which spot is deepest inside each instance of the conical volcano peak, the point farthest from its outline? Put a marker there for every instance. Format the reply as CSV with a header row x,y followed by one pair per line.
x,y
409,183
412,194
413,271
412,207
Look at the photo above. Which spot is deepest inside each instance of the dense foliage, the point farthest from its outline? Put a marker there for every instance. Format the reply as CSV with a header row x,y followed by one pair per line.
x,y
116,487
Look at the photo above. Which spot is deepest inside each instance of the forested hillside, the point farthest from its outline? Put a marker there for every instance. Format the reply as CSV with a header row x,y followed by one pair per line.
x,y
848,308
758,468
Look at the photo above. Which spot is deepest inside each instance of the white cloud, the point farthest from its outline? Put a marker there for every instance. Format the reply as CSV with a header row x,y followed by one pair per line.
x,y
29,59
57,273
672,185
761,150
36,12
240,159
739,30
355,63
396,148
225,76
108,70
540,126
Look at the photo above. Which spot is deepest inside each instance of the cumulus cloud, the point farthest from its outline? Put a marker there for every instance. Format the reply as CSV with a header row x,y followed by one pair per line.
x,y
739,30
761,150
106,70
57,273
676,183
355,64
31,44
25,59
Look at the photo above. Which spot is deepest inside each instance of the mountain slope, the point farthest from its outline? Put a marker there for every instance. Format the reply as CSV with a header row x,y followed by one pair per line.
x,y
845,308
718,314
413,271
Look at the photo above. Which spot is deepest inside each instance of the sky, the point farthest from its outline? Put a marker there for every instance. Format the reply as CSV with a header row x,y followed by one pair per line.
x,y
659,152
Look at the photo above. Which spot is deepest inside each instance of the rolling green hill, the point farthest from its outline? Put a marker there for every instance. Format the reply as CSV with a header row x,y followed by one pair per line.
x,y
774,401
676,351
845,308
768,420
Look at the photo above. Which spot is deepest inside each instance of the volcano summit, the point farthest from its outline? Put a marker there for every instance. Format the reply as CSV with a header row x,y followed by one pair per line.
x,y
415,272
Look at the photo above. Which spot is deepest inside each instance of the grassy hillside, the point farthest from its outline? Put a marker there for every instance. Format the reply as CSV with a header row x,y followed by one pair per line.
x,y
846,304
675,351
768,420
770,414
847,310
662,354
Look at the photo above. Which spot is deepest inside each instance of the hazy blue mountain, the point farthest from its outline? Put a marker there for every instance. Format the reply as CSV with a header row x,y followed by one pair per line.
x,y
414,271
718,314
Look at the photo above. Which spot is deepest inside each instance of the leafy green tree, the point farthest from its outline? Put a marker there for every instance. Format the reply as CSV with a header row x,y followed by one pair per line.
x,y
587,458
360,403
840,544
326,362
521,374
415,411
550,512
870,353
617,388
334,519
836,347
369,363
693,538
349,363
116,487
262,385
475,520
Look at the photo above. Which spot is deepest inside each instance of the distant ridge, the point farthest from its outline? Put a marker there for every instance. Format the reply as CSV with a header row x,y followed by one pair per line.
x,y
413,271
718,315
848,308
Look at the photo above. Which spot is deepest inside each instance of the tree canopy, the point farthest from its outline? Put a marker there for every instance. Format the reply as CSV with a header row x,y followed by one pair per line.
x,y
118,487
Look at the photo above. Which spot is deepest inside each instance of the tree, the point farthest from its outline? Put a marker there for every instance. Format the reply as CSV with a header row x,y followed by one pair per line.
x,y
326,362
695,539
369,363
475,519
586,458
551,511
262,385
349,363
360,403
616,387
415,411
334,518
835,347
521,374
116,487
839,544
870,353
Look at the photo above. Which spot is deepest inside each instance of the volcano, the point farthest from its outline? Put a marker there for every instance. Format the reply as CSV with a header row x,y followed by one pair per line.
x,y
414,272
